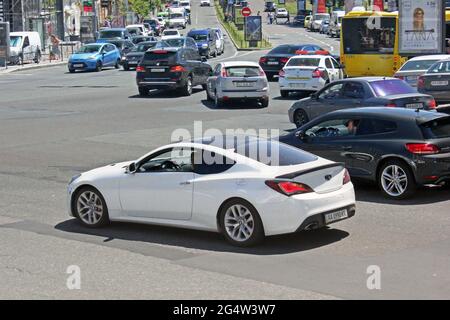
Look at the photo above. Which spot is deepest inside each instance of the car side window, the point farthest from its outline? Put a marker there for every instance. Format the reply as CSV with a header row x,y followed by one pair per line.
x,y
335,64
375,126
336,128
353,90
26,42
208,162
217,70
440,67
170,160
332,92
328,63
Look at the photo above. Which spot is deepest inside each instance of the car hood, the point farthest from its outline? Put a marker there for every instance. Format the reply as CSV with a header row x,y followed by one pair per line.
x,y
105,171
82,56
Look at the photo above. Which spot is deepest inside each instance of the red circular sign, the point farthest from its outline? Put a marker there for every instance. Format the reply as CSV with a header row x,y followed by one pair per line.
x,y
246,11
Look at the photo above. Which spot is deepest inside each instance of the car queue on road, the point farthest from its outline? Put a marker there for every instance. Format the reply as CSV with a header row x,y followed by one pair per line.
x,y
378,129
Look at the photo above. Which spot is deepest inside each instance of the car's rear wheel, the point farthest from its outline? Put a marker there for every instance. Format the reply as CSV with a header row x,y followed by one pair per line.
x,y
117,64
90,208
186,90
143,92
37,58
208,95
204,86
396,180
284,93
240,223
300,118
126,67
264,103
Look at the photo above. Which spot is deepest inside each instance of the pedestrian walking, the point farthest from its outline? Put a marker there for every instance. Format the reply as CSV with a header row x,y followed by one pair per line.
x,y
55,53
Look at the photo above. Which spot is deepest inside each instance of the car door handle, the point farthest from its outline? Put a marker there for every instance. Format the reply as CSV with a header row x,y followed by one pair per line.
x,y
185,183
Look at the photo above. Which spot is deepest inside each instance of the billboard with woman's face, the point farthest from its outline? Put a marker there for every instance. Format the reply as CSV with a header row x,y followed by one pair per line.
x,y
421,26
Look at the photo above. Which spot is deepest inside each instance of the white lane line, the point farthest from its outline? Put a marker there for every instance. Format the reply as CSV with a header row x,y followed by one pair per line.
x,y
320,41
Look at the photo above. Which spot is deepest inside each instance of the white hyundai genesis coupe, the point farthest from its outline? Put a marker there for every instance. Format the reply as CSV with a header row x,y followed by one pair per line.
x,y
245,190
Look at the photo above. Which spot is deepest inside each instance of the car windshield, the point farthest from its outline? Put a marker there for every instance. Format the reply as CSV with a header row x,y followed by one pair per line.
x,y
439,128
440,67
286,49
175,42
152,23
418,65
199,37
243,71
303,62
176,16
142,47
110,34
268,152
14,41
391,87
89,49
171,33
134,30
321,17
118,44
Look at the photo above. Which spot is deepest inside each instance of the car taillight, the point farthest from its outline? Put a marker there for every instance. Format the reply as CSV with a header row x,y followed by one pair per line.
x,y
159,51
421,82
432,104
347,178
261,72
422,148
284,60
301,52
322,52
177,69
140,69
224,73
282,73
390,105
262,60
288,188
318,73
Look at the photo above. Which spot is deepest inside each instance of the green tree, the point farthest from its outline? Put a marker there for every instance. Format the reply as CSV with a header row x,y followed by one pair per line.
x,y
140,7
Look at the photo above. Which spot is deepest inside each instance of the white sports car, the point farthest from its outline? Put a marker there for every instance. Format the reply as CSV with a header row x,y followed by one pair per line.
x,y
224,187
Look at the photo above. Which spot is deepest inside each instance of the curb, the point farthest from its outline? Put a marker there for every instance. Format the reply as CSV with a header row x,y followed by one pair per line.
x,y
32,67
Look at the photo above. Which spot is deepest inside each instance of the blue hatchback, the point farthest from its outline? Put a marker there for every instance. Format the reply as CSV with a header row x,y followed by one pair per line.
x,y
94,56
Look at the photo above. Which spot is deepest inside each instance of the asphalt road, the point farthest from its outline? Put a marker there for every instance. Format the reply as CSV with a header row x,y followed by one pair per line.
x,y
54,124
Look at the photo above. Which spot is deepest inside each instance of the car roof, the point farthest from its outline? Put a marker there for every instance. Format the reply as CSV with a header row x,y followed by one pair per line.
x,y
171,49
114,29
431,57
400,114
199,30
240,63
312,56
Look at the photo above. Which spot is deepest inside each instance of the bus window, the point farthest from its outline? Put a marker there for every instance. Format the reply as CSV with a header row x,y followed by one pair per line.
x,y
447,37
370,40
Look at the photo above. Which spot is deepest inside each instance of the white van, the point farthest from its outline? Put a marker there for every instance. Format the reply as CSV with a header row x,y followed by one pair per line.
x,y
186,4
177,18
25,46
335,23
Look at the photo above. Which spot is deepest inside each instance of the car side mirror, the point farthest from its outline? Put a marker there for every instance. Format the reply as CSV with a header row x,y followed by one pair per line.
x,y
131,169
204,59
300,134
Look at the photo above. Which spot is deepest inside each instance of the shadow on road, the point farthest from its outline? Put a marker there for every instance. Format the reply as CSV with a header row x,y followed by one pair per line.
x,y
151,234
164,94
235,105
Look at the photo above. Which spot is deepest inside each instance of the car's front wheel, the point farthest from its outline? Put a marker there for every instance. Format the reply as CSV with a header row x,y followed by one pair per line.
x,y
98,67
90,208
396,180
300,118
117,64
240,223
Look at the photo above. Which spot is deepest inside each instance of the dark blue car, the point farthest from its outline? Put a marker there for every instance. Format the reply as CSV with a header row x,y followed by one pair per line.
x,y
205,40
94,57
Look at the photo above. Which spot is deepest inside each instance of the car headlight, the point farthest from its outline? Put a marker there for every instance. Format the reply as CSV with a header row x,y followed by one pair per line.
x,y
92,57
124,58
72,180
204,46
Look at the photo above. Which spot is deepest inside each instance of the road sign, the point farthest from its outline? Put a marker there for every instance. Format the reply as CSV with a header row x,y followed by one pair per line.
x,y
246,11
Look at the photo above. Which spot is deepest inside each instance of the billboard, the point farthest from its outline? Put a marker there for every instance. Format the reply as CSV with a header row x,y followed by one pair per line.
x,y
421,26
253,28
4,43
87,29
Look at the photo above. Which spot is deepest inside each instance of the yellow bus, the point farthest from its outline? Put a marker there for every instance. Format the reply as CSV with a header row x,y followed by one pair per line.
x,y
372,51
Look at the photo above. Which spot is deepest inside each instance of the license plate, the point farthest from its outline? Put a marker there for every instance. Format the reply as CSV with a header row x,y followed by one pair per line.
x,y
414,105
439,83
272,63
336,216
297,85
158,70
243,84
78,65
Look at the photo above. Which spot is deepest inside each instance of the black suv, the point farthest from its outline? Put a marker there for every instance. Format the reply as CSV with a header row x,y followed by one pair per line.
x,y
172,68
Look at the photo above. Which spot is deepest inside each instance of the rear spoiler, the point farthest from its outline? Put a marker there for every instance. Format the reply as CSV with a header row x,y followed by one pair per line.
x,y
293,175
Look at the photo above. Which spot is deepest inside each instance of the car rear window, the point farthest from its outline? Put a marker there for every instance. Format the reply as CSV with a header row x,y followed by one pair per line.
x,y
440,67
391,87
159,55
439,128
281,49
242,71
303,62
418,65
108,34
171,33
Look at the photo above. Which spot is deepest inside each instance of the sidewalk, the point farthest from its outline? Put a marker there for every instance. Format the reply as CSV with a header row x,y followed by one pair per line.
x,y
45,63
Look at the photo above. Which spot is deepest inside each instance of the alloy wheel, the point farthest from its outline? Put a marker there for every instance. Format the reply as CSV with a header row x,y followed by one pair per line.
x,y
90,207
394,180
239,223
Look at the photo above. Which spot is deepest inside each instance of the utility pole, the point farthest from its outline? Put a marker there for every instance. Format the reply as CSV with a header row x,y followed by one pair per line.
x,y
60,19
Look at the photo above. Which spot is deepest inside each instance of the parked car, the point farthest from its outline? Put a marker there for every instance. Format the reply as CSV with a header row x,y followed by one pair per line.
x,y
132,59
186,4
170,34
308,73
186,42
172,68
417,66
336,23
308,21
436,81
317,19
275,60
205,3
399,149
176,185
220,41
124,46
155,26
238,80
206,41
94,56
324,27
139,39
270,6
24,47
359,92
298,21
113,33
